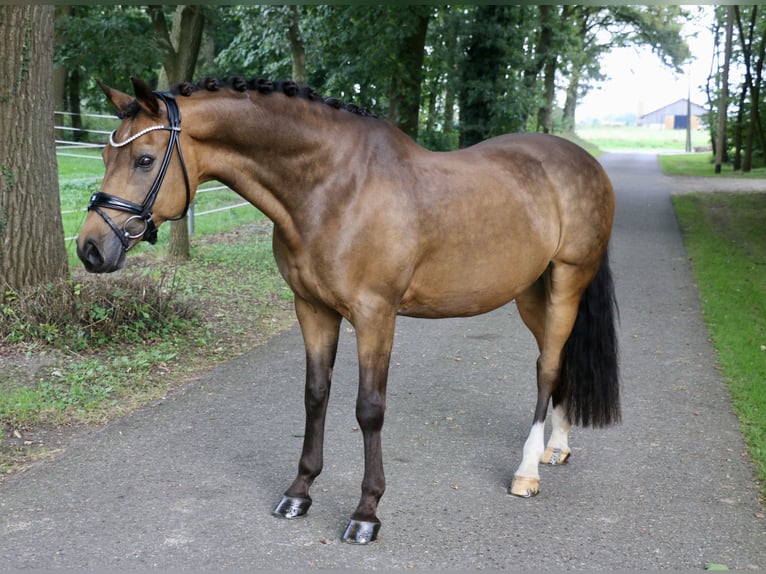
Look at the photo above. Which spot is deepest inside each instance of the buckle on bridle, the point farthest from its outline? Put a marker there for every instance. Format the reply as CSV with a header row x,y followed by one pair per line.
x,y
143,212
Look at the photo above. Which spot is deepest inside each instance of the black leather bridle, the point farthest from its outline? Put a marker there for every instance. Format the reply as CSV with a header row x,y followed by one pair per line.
x,y
143,213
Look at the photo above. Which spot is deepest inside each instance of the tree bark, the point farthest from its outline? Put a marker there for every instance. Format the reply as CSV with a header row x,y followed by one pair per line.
x,y
724,91
547,58
183,41
404,91
296,45
32,250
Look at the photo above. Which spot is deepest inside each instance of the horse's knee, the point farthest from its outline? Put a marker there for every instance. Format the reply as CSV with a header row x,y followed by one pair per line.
x,y
370,412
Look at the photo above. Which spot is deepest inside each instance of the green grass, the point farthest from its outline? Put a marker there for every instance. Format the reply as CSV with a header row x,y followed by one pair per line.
x,y
638,138
725,238
95,347
227,300
79,178
702,165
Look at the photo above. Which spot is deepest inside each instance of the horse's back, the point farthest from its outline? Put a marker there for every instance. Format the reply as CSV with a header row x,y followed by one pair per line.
x,y
493,216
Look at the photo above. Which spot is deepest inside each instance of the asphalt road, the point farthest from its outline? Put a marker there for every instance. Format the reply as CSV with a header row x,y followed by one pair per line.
x,y
190,482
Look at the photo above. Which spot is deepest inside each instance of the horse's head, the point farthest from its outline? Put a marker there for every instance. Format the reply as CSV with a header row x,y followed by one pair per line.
x,y
146,180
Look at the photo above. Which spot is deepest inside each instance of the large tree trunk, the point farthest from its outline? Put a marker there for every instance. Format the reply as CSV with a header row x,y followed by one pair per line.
x,y
32,248
404,91
183,41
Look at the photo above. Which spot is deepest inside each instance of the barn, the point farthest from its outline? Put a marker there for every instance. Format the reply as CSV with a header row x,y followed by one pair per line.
x,y
673,116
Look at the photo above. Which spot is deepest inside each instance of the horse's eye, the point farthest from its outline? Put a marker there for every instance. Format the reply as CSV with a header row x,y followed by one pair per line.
x,y
145,161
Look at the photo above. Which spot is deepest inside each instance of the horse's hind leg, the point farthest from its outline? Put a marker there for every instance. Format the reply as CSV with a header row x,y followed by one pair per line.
x,y
320,327
549,309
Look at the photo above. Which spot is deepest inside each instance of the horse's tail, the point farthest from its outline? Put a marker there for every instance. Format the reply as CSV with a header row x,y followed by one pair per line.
x,y
589,382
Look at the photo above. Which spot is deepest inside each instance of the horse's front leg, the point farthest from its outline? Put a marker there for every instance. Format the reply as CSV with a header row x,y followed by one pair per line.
x,y
374,341
320,327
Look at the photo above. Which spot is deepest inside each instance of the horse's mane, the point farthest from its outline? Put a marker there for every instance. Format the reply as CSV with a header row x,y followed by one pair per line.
x,y
261,85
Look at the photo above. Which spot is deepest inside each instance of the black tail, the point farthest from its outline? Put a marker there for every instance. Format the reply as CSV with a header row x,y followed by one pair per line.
x,y
589,382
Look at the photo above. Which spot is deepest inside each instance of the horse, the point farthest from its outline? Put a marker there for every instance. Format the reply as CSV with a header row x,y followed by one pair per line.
x,y
369,225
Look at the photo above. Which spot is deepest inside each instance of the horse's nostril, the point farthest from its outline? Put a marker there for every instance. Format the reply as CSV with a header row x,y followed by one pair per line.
x,y
90,254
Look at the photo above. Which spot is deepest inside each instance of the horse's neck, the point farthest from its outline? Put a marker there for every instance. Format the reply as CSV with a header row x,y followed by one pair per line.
x,y
272,151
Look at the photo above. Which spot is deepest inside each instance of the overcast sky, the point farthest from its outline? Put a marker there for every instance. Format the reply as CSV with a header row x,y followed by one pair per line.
x,y
639,83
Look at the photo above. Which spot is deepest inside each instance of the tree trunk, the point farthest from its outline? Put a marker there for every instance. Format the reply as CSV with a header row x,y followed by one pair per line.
x,y
724,91
404,91
296,45
547,58
570,104
73,89
183,43
755,91
32,250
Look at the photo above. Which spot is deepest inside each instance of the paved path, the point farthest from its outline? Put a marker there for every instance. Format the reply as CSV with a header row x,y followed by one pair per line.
x,y
190,482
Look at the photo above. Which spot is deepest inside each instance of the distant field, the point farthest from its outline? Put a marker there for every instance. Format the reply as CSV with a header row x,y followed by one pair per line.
x,y
630,137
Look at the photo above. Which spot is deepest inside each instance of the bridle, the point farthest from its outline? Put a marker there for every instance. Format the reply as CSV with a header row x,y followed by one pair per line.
x,y
143,212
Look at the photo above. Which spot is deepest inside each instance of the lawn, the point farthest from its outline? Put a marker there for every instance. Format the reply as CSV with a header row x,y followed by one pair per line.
x,y
93,348
702,165
725,238
80,177
640,138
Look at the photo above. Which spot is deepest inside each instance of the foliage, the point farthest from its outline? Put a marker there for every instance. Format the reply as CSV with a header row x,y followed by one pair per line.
x,y
110,43
483,68
745,134
726,241
230,299
90,312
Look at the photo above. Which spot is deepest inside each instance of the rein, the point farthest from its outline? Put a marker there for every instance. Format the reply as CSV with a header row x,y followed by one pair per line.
x,y
143,213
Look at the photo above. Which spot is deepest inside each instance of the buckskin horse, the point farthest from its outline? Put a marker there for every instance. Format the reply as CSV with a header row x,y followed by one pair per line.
x,y
368,225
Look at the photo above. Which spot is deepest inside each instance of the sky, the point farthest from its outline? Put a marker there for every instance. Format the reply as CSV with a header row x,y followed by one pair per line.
x,y
638,82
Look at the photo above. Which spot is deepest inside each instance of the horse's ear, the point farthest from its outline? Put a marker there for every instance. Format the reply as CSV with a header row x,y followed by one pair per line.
x,y
145,96
119,99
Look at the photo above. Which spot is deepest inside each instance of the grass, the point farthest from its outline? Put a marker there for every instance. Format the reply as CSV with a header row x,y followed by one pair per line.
x,y
93,348
79,178
638,138
168,323
702,165
725,238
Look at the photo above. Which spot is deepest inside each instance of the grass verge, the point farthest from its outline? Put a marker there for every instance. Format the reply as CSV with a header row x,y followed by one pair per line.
x,y
702,165
95,347
725,238
641,138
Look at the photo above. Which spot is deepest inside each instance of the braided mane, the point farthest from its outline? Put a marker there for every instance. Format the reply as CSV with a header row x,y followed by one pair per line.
x,y
265,86
261,85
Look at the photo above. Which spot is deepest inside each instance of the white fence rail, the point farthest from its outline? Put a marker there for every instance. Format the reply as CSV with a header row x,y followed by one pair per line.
x,y
68,148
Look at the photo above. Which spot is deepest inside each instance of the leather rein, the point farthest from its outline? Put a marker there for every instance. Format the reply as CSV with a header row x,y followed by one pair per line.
x,y
143,213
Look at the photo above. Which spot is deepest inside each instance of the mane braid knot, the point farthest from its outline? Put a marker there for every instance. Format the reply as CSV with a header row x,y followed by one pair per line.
x,y
262,86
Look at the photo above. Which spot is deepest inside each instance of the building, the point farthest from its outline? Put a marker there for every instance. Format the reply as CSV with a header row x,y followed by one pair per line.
x,y
673,116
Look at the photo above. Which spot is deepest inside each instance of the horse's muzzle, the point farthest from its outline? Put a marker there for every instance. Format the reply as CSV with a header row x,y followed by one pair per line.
x,y
101,257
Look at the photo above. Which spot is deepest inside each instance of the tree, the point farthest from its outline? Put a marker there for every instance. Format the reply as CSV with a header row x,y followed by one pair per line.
x,y
594,30
724,90
182,41
371,55
109,43
498,74
32,250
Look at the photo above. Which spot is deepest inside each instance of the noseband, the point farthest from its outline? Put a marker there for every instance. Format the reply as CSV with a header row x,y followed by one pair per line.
x,y
143,213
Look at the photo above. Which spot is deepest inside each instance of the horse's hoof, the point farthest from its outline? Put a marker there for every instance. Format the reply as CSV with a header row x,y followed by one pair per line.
x,y
524,487
360,532
292,507
555,456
